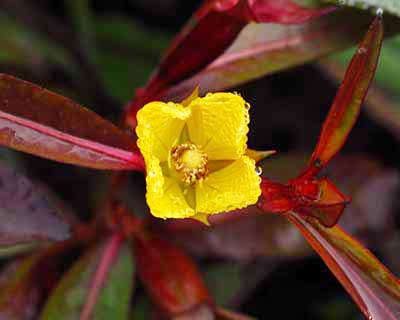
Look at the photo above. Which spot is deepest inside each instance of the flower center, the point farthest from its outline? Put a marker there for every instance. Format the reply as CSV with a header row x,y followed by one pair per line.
x,y
190,162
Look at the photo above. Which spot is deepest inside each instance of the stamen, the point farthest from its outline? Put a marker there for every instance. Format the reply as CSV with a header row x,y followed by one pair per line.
x,y
190,162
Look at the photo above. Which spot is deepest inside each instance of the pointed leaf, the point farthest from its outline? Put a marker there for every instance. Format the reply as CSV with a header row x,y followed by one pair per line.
x,y
346,106
89,287
263,49
29,216
374,192
371,285
210,31
43,123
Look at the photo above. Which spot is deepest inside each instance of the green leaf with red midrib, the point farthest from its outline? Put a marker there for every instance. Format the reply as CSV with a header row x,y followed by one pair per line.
x,y
86,289
371,285
45,124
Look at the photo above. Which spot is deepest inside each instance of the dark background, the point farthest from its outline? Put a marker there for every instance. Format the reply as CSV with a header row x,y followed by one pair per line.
x,y
287,112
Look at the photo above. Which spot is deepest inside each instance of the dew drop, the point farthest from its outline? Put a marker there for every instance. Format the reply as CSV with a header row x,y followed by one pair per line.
x,y
379,12
247,106
259,171
362,50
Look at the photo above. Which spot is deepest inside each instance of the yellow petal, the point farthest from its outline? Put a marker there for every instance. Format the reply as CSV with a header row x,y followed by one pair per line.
x,y
159,128
219,124
164,196
233,187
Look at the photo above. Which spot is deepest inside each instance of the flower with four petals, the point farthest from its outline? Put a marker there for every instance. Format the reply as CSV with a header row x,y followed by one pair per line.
x,y
195,155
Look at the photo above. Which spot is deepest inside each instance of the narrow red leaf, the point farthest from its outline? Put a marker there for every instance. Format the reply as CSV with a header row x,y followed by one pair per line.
x,y
371,285
45,124
281,11
263,49
347,104
210,31
170,276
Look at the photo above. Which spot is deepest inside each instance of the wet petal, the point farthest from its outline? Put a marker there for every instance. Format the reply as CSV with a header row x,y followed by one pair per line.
x,y
235,186
219,124
159,127
164,195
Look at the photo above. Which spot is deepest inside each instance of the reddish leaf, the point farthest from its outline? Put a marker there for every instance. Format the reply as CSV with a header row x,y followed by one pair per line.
x,y
261,235
202,312
28,213
346,106
19,294
43,123
171,278
373,189
329,206
373,287
208,34
25,282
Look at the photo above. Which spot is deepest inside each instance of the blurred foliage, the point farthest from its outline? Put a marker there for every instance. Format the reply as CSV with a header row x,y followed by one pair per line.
x,y
391,6
124,51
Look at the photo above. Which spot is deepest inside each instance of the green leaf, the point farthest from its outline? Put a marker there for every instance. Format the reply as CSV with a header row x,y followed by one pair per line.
x,y
224,280
113,302
127,53
99,284
391,6
309,3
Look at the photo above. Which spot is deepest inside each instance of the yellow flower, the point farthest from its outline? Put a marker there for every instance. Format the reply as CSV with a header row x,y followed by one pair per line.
x,y
195,155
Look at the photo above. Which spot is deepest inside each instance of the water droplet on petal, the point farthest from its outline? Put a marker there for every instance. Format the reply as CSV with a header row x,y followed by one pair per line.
x,y
259,171
247,106
379,12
